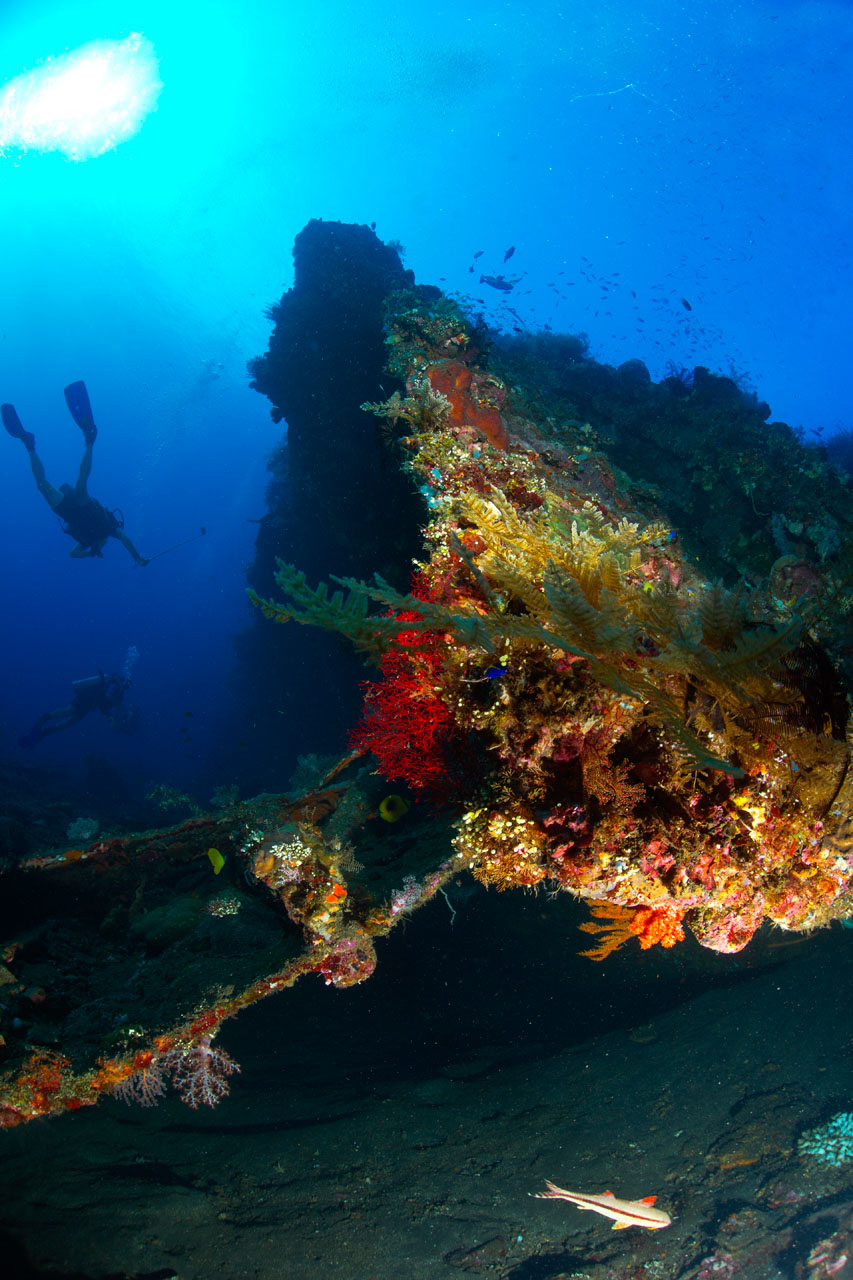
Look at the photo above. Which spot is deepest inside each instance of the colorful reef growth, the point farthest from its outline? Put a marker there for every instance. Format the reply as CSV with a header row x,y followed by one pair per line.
x,y
672,750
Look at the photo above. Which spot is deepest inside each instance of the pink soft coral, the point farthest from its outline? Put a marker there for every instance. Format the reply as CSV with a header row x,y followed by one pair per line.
x,y
199,1073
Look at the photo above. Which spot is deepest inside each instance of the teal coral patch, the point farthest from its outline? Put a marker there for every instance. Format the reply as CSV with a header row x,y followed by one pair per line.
x,y
831,1144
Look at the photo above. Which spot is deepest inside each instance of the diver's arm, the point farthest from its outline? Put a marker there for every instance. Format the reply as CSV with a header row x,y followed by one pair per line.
x,y
126,542
80,551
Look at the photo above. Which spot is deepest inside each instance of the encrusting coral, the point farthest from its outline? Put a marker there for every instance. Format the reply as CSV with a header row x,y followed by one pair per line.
x,y
644,738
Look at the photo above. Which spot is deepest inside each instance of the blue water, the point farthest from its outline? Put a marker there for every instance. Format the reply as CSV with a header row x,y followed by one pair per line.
x,y
647,157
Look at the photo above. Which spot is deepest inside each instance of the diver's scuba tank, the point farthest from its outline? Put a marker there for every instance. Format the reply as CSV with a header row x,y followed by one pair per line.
x,y
91,682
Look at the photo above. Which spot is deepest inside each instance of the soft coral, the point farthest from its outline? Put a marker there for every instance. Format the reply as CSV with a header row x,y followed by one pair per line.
x,y
404,723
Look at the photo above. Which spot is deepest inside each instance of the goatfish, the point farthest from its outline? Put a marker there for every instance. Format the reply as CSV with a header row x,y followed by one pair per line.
x,y
625,1213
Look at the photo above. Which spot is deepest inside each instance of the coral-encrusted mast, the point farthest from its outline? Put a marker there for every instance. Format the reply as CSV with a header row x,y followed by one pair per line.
x,y
281,860
652,742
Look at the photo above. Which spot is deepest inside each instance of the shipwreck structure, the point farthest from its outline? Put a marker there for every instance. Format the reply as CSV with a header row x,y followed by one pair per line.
x,y
574,690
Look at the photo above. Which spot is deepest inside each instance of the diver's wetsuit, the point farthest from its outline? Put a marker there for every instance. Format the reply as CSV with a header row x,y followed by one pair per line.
x,y
87,521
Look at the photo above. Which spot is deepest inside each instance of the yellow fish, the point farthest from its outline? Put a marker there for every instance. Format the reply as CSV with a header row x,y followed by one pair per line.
x,y
393,808
216,860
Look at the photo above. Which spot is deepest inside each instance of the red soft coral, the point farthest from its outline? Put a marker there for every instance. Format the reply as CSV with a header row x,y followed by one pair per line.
x,y
405,722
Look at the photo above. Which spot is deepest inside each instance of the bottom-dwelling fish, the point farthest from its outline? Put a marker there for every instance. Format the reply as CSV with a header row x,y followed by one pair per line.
x,y
625,1213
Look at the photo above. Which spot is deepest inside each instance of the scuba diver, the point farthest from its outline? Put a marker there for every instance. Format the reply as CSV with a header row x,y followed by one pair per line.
x,y
86,520
97,693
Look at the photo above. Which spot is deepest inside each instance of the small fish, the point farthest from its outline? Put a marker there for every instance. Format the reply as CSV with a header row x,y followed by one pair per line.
x,y
625,1213
393,808
216,860
497,282
510,251
492,673
686,304
479,253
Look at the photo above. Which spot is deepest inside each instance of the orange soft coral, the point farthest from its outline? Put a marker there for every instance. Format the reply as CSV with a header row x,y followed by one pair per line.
x,y
616,925
474,399
654,925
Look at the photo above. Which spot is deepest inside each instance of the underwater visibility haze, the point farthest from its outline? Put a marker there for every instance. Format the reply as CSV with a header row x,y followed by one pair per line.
x,y
496,356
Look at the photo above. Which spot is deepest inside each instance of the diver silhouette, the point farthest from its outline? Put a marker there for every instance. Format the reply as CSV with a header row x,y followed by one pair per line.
x,y
97,693
86,520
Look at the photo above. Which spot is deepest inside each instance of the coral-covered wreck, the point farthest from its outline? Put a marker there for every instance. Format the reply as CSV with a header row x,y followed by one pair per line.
x,y
576,700
641,736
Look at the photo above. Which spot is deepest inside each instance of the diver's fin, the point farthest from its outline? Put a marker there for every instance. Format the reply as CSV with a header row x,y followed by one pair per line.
x,y
12,423
77,399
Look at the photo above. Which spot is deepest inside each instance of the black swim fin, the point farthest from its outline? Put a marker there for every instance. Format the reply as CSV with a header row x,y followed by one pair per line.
x,y
77,399
12,423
